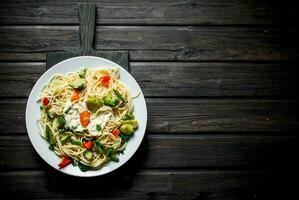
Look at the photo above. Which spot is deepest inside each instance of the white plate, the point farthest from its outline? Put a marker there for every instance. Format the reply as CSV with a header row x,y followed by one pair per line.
x,y
73,64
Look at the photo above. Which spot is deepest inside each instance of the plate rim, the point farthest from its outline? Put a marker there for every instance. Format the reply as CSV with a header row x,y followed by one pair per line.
x,y
82,173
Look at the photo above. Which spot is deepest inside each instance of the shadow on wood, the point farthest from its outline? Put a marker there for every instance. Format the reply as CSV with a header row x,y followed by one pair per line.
x,y
121,178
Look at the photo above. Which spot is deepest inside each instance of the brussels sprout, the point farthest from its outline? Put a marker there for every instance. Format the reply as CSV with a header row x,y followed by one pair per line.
x,y
128,116
133,123
110,101
126,129
93,103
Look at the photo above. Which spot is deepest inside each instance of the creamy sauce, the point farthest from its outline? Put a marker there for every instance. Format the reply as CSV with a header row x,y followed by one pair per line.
x,y
72,118
101,119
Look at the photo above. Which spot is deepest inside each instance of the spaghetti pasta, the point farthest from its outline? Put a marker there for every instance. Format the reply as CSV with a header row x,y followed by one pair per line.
x,y
87,117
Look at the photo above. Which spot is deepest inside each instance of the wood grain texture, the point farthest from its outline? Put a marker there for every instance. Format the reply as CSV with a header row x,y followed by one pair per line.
x,y
162,43
145,185
119,57
190,115
221,115
87,17
166,79
87,14
180,151
221,127
174,79
19,57
17,79
142,12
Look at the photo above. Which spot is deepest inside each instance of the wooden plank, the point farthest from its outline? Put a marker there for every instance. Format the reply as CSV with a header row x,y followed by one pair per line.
x,y
166,12
174,79
119,57
19,57
160,43
190,116
180,151
87,13
215,79
147,185
179,115
17,79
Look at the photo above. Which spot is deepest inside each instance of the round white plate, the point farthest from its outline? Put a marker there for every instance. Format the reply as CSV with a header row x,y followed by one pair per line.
x,y
73,64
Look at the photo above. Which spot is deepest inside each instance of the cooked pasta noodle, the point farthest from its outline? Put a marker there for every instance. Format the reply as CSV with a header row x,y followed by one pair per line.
x,y
86,116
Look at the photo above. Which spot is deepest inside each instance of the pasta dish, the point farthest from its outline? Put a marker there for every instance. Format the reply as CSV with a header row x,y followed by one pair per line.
x,y
87,117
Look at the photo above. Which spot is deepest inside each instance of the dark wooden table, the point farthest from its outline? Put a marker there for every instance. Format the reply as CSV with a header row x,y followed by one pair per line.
x,y
221,85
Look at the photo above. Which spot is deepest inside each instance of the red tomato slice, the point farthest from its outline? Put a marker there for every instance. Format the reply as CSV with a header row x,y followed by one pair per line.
x,y
65,161
75,95
116,132
88,145
45,101
84,118
105,80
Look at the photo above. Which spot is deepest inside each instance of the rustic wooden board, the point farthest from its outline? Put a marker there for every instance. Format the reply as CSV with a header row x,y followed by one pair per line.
x,y
87,13
156,184
162,43
168,79
180,151
190,115
144,12
119,57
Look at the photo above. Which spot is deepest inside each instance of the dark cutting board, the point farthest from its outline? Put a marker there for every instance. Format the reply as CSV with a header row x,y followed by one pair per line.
x,y
87,16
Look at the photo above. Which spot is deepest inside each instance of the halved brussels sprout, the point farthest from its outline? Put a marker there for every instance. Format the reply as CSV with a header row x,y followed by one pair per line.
x,y
93,103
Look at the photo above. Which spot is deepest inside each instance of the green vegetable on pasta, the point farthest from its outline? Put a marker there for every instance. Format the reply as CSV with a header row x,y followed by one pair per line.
x,y
76,142
49,135
119,95
88,155
93,103
114,158
79,85
65,139
99,127
83,167
110,101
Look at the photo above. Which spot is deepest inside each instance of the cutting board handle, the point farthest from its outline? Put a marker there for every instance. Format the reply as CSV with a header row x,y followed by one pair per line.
x,y
87,14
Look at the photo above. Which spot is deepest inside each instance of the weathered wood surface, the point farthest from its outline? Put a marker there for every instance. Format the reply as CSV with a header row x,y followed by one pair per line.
x,y
224,128
216,79
87,13
162,43
177,79
190,116
119,57
144,12
180,151
145,185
